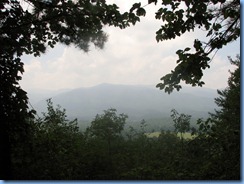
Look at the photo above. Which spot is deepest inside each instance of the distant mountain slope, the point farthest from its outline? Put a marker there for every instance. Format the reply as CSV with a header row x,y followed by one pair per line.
x,y
137,101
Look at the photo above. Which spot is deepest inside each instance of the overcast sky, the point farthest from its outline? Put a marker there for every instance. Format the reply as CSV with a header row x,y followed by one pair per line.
x,y
131,56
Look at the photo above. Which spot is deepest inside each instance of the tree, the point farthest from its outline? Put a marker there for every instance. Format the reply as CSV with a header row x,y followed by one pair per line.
x,y
220,134
108,126
227,126
105,130
220,19
181,122
52,149
229,101
31,31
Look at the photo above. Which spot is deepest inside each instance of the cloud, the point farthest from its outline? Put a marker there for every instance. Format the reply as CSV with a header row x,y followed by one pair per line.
x,y
131,56
217,76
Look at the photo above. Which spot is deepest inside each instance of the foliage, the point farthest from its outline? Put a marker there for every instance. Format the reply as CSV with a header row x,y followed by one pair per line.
x,y
220,19
14,113
181,122
108,125
52,147
30,31
222,131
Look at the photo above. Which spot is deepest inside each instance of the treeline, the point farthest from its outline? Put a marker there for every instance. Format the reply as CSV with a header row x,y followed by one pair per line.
x,y
54,148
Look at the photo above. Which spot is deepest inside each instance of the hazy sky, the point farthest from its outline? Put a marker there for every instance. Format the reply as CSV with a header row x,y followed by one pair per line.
x,y
131,56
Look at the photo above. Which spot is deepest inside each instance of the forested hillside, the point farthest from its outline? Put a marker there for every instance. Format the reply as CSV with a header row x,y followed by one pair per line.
x,y
139,102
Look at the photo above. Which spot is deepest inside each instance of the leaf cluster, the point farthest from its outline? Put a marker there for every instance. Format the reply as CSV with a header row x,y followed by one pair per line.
x,y
219,19
181,121
108,125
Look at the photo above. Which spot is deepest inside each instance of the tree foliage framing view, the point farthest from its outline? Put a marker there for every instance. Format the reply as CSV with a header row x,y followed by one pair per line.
x,y
46,23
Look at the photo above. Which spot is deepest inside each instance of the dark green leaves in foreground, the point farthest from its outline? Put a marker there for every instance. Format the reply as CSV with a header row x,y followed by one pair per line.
x,y
189,69
219,19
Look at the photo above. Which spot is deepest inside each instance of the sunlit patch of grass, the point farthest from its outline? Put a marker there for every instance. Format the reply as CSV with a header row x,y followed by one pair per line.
x,y
186,135
153,134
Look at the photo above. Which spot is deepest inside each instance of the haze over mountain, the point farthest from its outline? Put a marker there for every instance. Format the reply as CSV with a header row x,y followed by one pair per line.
x,y
137,101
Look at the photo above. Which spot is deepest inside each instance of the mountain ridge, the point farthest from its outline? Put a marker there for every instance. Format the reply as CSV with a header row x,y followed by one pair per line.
x,y
137,101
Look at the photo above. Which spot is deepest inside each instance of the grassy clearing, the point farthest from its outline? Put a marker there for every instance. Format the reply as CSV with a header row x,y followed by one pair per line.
x,y
153,134
186,135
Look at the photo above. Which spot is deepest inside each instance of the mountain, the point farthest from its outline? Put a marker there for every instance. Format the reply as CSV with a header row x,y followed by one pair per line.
x,y
138,102
37,95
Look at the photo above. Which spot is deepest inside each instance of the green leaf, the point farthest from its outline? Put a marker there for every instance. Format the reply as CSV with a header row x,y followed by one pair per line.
x,y
197,45
140,12
187,49
135,6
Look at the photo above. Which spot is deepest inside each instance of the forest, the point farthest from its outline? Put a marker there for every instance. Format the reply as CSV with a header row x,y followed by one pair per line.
x,y
55,148
52,147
